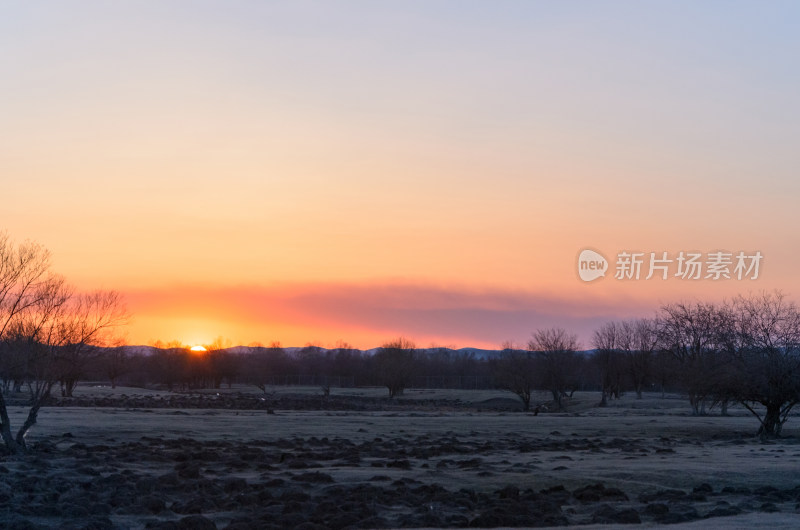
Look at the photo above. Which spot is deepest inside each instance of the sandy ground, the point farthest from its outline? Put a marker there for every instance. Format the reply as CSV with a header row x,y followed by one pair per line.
x,y
644,462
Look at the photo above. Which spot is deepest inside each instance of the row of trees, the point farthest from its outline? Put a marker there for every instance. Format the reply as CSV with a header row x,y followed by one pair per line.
x,y
176,367
745,351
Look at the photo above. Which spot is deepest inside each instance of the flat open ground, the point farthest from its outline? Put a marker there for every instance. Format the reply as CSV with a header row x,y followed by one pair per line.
x,y
456,463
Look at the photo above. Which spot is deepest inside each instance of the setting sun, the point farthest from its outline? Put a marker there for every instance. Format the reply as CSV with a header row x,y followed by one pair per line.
x,y
197,348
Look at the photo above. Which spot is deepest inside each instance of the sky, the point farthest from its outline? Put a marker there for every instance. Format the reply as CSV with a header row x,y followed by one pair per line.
x,y
309,172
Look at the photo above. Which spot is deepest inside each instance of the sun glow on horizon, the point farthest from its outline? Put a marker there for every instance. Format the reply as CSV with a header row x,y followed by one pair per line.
x,y
197,348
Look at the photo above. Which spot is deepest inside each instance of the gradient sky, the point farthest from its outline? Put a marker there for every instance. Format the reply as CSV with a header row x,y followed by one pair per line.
x,y
315,171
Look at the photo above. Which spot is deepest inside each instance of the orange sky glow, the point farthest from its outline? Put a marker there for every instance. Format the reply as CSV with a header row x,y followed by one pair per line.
x,y
305,173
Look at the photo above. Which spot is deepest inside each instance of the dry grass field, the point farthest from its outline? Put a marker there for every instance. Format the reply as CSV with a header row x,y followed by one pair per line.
x,y
433,458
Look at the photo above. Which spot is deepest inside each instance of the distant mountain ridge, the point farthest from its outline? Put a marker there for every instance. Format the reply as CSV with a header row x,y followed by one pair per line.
x,y
478,353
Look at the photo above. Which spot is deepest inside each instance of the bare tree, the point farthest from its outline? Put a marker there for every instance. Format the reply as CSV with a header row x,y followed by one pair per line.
x,y
169,365
348,362
116,363
555,351
394,363
642,338
41,332
695,335
52,332
87,326
515,372
264,366
222,363
317,362
664,369
609,360
335,364
767,354
44,327
24,288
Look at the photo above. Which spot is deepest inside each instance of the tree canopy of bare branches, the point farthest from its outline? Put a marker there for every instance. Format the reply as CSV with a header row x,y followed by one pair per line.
x,y
609,360
694,333
558,363
766,355
515,371
394,365
746,350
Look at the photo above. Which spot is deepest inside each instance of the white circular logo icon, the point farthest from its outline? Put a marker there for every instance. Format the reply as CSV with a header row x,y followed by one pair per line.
x,y
591,265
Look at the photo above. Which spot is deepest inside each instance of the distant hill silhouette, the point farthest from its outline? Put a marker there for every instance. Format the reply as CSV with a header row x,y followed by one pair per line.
x,y
479,353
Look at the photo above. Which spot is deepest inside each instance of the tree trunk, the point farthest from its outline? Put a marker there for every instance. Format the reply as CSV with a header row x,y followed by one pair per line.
x,y
695,403
557,398
30,421
526,400
70,387
5,430
771,424
11,444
